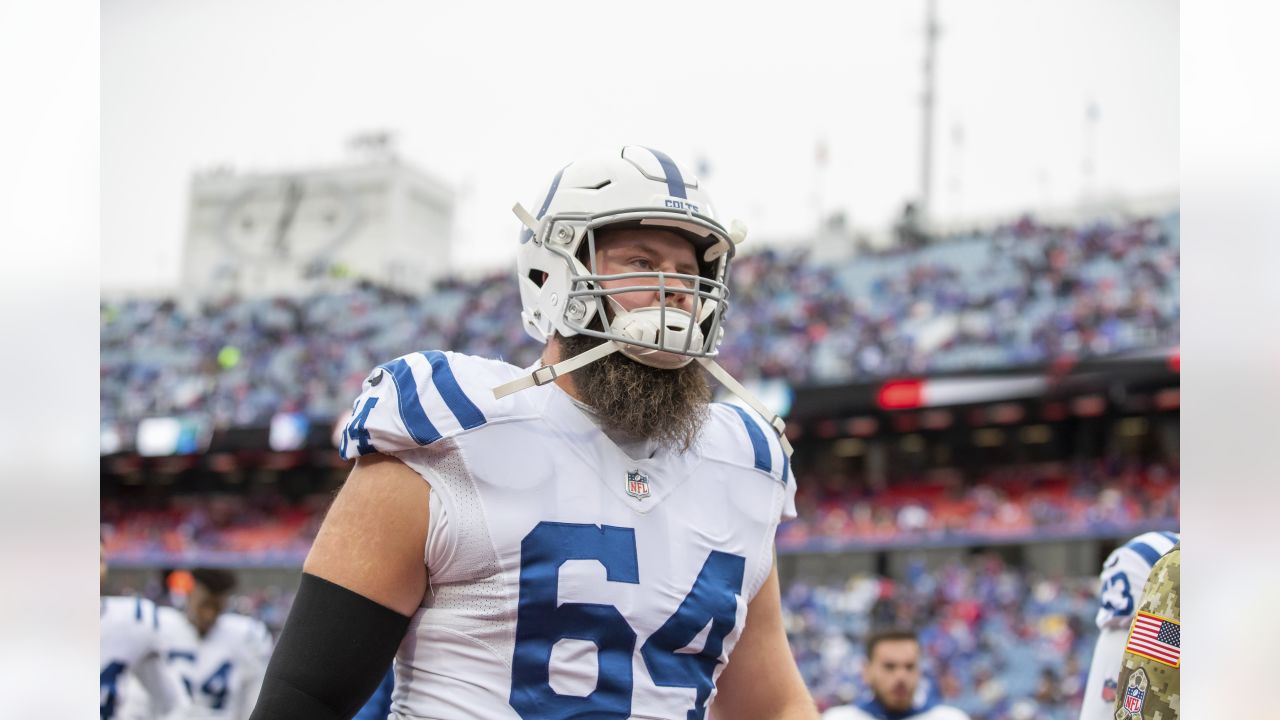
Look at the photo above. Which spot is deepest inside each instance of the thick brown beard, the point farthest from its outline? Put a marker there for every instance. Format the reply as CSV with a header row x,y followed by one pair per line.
x,y
633,399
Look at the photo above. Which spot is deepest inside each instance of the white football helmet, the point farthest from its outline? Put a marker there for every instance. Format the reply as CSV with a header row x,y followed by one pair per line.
x,y
561,290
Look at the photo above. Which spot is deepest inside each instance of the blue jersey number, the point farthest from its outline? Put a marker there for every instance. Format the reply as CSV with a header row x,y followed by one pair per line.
x,y
1120,583
355,430
542,621
217,685
108,681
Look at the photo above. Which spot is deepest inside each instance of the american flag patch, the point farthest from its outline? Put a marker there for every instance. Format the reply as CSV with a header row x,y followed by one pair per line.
x,y
1157,638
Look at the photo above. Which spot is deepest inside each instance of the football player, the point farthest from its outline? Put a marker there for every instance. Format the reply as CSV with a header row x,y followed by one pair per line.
x,y
1124,573
131,646
1149,683
220,656
230,650
588,537
893,674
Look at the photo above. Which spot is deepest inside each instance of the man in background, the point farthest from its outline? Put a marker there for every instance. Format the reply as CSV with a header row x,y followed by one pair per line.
x,y
231,650
893,675
221,656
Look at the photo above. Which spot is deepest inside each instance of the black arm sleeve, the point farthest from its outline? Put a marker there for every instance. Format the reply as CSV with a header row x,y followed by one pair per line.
x,y
334,650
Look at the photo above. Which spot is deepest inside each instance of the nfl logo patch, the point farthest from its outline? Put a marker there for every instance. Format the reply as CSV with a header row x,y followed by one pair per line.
x,y
637,484
1133,698
1135,693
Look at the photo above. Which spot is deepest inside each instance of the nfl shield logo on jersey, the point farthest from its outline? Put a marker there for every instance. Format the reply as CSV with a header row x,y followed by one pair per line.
x,y
637,484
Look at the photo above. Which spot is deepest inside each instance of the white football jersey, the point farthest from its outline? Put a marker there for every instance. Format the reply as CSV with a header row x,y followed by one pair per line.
x,y
1124,574
568,579
131,645
226,672
222,672
175,647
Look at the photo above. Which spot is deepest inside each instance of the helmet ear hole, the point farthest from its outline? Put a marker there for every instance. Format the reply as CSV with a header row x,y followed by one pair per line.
x,y
537,277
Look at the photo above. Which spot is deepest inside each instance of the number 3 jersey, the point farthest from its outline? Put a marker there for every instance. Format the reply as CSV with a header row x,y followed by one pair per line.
x,y
566,578
1123,575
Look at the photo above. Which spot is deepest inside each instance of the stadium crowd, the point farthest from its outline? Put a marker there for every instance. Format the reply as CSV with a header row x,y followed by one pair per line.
x,y
1015,501
835,513
1025,293
999,643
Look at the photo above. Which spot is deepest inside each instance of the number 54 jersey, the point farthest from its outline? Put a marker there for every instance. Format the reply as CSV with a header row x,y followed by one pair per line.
x,y
568,579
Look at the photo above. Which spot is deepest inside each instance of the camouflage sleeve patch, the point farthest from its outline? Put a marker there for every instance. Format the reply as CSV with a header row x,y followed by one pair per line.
x,y
1149,672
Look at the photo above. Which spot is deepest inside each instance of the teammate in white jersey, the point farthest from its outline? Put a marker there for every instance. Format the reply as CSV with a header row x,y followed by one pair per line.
x,y
220,656
540,544
1124,574
893,674
131,646
226,653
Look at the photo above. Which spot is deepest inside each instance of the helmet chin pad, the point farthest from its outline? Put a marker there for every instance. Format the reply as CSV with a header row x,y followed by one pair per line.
x,y
662,337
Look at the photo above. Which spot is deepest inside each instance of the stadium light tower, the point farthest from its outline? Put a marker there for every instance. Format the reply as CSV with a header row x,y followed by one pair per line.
x,y
925,205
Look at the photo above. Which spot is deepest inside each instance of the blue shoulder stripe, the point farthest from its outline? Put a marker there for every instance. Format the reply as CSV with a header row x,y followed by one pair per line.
x,y
760,446
786,467
411,412
1147,552
137,608
1171,537
469,416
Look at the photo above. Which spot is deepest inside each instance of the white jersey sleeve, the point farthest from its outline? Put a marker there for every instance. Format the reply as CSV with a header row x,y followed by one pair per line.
x,y
769,455
164,688
132,646
1125,572
417,400
178,648
1120,588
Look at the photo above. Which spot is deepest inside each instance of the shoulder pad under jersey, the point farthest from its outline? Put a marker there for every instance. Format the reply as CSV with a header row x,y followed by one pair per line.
x,y
739,436
423,397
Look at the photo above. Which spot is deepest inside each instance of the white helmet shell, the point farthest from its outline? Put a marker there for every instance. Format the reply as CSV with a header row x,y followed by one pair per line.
x,y
633,186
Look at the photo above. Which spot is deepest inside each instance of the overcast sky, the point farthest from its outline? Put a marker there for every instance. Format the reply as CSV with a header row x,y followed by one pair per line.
x,y
494,97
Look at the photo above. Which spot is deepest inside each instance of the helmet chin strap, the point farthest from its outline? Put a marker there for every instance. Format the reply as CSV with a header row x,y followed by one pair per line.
x,y
735,387
548,373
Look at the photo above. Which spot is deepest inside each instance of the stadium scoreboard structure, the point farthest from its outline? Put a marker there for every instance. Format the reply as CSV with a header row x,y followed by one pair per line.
x,y
292,232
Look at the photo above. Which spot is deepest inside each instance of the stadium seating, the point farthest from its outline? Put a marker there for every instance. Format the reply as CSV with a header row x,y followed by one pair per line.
x,y
1016,295
999,643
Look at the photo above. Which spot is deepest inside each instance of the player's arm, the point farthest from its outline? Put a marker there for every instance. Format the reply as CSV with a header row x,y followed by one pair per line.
x,y
362,581
164,687
762,680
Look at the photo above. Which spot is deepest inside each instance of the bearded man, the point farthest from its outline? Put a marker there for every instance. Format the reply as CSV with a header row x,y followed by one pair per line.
x,y
590,538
